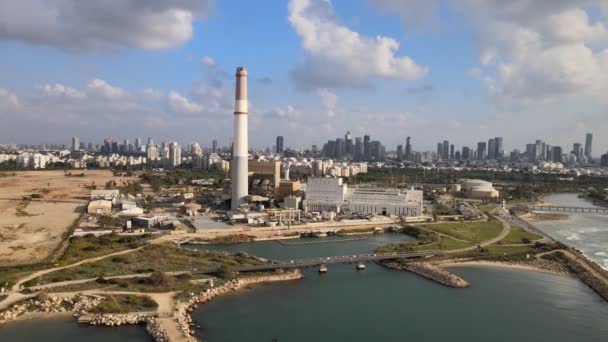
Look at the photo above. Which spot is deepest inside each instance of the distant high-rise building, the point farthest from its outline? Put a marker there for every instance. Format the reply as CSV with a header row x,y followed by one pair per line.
x,y
175,154
446,150
400,152
439,150
466,153
577,150
538,150
358,149
530,152
138,144
556,152
339,148
499,152
588,142
75,143
150,141
280,146
214,146
452,152
481,150
408,148
491,149
366,147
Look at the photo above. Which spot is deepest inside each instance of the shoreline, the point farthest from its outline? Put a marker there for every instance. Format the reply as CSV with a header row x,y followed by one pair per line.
x,y
501,265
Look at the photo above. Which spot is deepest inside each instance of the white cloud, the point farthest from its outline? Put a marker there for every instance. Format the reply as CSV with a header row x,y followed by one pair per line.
x,y
340,57
61,90
207,61
180,103
100,87
94,25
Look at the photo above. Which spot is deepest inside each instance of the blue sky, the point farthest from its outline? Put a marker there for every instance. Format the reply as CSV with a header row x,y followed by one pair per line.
x,y
463,70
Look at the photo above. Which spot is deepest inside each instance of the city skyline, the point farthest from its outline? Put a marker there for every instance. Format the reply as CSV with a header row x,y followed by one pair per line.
x,y
177,86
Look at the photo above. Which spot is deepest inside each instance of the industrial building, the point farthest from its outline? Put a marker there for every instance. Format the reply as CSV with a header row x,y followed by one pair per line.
x,y
331,194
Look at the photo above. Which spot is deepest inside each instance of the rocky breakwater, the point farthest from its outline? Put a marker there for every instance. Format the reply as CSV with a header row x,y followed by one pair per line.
x,y
154,328
120,319
79,304
183,309
431,272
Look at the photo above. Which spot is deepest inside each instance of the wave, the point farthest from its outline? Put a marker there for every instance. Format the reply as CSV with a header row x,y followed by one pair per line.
x,y
573,237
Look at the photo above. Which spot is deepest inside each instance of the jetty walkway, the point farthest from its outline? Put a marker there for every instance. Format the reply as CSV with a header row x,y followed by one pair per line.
x,y
564,209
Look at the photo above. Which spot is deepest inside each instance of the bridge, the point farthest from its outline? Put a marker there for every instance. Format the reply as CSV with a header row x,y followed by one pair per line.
x,y
343,259
580,210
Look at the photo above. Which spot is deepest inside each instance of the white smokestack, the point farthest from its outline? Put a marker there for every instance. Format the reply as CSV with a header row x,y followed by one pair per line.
x,y
240,149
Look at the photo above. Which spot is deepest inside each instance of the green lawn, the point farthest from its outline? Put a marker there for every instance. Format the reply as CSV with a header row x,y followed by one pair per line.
x,y
518,235
473,232
487,208
442,243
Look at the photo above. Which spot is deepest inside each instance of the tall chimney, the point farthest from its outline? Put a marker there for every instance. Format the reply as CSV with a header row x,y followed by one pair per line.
x,y
240,151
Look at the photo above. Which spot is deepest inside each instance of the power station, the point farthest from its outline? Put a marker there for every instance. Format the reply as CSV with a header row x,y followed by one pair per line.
x,y
240,149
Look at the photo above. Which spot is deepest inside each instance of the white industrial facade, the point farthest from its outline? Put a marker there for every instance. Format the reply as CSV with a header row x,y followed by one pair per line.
x,y
330,194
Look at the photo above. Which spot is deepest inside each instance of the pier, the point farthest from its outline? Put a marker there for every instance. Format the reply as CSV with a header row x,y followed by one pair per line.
x,y
563,209
343,259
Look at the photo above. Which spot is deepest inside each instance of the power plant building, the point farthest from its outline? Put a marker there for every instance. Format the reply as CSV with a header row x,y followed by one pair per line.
x,y
331,194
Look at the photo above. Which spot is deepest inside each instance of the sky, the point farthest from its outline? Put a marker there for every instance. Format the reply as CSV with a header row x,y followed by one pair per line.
x,y
457,70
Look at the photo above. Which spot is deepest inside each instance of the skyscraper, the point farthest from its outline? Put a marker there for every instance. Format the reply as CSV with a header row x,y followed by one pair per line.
x,y
499,151
75,143
588,142
408,148
439,150
280,146
538,150
358,149
481,150
446,150
491,149
466,153
452,152
366,147
214,146
577,150
399,152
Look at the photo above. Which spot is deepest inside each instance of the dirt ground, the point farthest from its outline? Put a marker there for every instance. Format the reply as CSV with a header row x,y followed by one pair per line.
x,y
31,230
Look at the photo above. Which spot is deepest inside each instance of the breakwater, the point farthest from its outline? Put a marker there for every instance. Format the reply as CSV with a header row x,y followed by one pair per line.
x,y
78,304
431,272
587,271
184,308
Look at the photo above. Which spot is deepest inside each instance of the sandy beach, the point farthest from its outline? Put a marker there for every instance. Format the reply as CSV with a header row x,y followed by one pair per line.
x,y
497,264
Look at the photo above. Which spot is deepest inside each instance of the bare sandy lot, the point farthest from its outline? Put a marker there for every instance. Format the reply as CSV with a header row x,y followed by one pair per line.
x,y
30,230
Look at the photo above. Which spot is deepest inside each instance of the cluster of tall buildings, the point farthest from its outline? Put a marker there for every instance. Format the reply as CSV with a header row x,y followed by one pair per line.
x,y
541,151
491,150
359,149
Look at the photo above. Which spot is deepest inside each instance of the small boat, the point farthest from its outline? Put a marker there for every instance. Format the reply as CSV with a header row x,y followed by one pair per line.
x,y
323,269
360,266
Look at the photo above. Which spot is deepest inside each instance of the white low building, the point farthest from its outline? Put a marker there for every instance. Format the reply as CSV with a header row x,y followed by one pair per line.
x,y
330,194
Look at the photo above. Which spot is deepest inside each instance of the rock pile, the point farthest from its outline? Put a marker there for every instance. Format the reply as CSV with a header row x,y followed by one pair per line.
x,y
182,314
119,319
155,330
79,304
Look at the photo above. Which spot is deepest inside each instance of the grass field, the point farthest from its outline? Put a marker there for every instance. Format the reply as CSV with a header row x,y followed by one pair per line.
x,y
90,246
519,235
473,232
125,303
164,258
